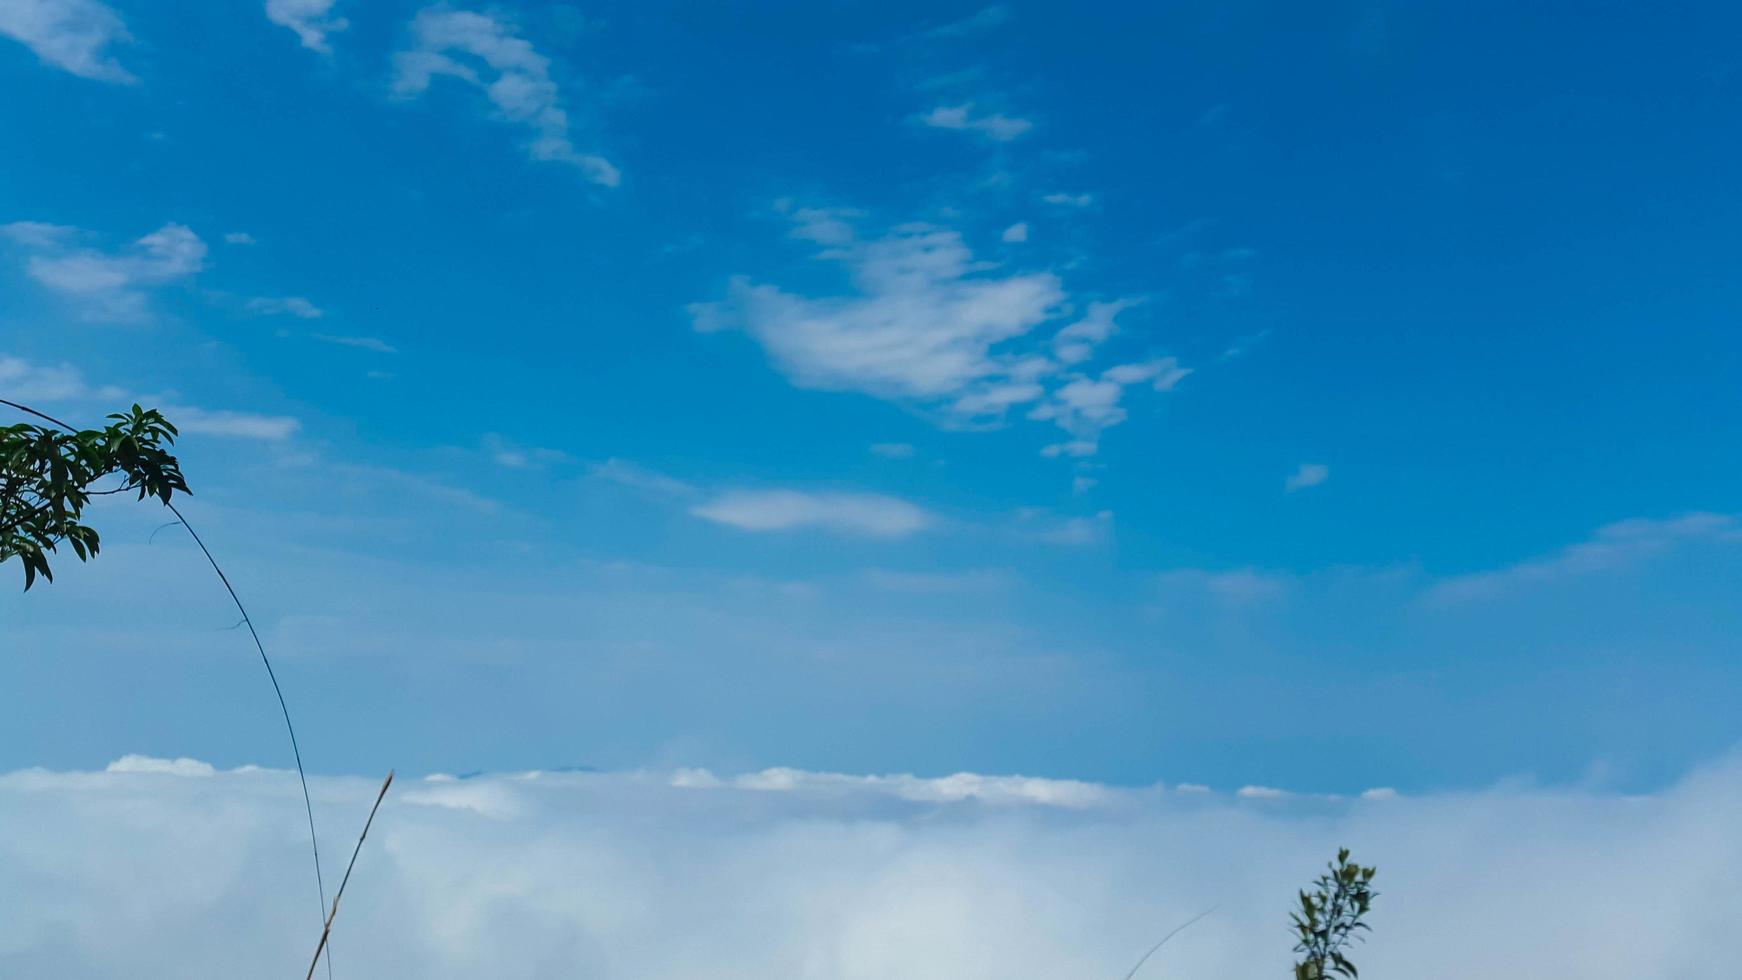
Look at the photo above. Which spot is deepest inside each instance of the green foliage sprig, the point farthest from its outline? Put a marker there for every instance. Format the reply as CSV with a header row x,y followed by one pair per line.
x,y
46,477
1329,919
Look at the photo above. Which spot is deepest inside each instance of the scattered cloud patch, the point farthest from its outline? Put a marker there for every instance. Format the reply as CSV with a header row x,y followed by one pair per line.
x,y
1017,232
22,381
1064,200
1084,407
375,344
296,306
510,456
240,238
1238,587
636,477
1077,531
107,286
72,35
1612,548
985,19
489,54
928,324
242,425
893,450
941,583
1306,475
311,20
963,118
859,514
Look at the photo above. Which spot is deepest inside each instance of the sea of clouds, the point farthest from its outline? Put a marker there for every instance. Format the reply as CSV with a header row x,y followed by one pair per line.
x,y
160,868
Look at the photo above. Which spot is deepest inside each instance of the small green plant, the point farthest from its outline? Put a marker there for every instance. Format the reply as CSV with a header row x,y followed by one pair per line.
x,y
46,476
1330,919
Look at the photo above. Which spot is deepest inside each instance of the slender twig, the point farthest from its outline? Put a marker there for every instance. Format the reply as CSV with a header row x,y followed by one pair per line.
x,y
328,927
295,748
1176,931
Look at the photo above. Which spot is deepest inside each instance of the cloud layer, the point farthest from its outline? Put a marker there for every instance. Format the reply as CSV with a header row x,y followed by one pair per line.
x,y
169,868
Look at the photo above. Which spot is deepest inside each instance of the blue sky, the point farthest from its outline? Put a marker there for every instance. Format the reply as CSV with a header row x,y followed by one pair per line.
x,y
1226,393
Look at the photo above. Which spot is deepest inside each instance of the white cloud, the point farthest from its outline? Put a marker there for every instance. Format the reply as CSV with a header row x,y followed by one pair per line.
x,y
25,382
941,583
893,450
375,344
929,324
1069,200
170,767
73,35
165,871
312,21
1017,232
22,381
625,473
245,425
871,515
489,54
1306,475
107,285
1611,548
985,19
1084,407
922,326
1077,342
1239,587
510,456
1077,531
962,118
296,306
240,238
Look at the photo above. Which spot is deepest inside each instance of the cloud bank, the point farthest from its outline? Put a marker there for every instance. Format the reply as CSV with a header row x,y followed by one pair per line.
x,y
170,868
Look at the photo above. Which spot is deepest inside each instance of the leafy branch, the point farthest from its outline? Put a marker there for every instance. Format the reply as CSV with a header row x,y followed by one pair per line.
x,y
46,480
1329,919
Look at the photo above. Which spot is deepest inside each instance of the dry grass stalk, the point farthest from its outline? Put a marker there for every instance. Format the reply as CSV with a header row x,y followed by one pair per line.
x,y
327,929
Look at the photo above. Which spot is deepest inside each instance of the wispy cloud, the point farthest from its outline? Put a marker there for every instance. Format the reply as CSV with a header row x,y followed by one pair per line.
x,y
1306,475
942,583
964,118
72,35
1017,232
1612,548
375,344
312,21
1064,200
221,422
861,514
1236,587
637,477
22,381
296,306
516,457
893,450
982,20
109,286
930,324
488,53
